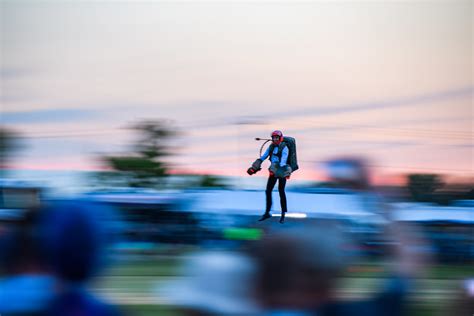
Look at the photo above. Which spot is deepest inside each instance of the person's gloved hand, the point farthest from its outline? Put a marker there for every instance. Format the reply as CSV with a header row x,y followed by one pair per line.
x,y
283,172
273,169
256,167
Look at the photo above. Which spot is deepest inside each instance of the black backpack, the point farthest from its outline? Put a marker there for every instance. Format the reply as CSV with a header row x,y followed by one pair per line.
x,y
289,142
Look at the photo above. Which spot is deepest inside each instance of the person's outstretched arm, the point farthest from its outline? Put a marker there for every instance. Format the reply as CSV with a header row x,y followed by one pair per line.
x,y
265,154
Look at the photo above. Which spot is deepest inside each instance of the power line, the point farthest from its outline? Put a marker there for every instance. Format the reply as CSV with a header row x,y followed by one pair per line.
x,y
430,133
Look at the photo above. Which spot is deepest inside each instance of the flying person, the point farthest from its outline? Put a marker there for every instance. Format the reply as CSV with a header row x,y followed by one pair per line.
x,y
281,150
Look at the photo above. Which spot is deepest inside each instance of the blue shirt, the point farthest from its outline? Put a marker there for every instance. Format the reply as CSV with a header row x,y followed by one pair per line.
x,y
28,293
275,159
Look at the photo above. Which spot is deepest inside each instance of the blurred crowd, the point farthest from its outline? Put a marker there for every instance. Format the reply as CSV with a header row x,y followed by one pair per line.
x,y
48,259
290,272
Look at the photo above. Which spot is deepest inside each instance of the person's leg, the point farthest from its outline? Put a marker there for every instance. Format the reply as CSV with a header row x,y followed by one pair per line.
x,y
281,190
268,194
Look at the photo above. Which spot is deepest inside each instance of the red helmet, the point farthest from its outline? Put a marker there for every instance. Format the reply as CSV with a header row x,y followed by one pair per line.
x,y
278,134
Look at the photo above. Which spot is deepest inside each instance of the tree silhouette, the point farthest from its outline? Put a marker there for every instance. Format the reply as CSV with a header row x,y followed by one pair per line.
x,y
146,165
421,186
9,143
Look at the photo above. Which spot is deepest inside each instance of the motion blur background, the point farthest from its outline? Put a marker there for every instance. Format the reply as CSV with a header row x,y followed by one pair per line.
x,y
145,114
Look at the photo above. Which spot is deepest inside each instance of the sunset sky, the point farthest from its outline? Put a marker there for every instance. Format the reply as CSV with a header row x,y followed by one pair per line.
x,y
388,80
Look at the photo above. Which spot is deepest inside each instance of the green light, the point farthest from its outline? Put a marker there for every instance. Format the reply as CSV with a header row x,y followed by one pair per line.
x,y
236,233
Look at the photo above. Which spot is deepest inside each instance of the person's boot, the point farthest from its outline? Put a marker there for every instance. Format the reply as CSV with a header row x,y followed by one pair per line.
x,y
282,218
265,216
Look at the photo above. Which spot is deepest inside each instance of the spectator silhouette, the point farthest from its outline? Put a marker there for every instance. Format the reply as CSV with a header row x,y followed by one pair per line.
x,y
298,270
75,239
27,287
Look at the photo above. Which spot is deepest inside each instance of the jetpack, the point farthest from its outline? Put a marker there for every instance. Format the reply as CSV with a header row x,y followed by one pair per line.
x,y
289,142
